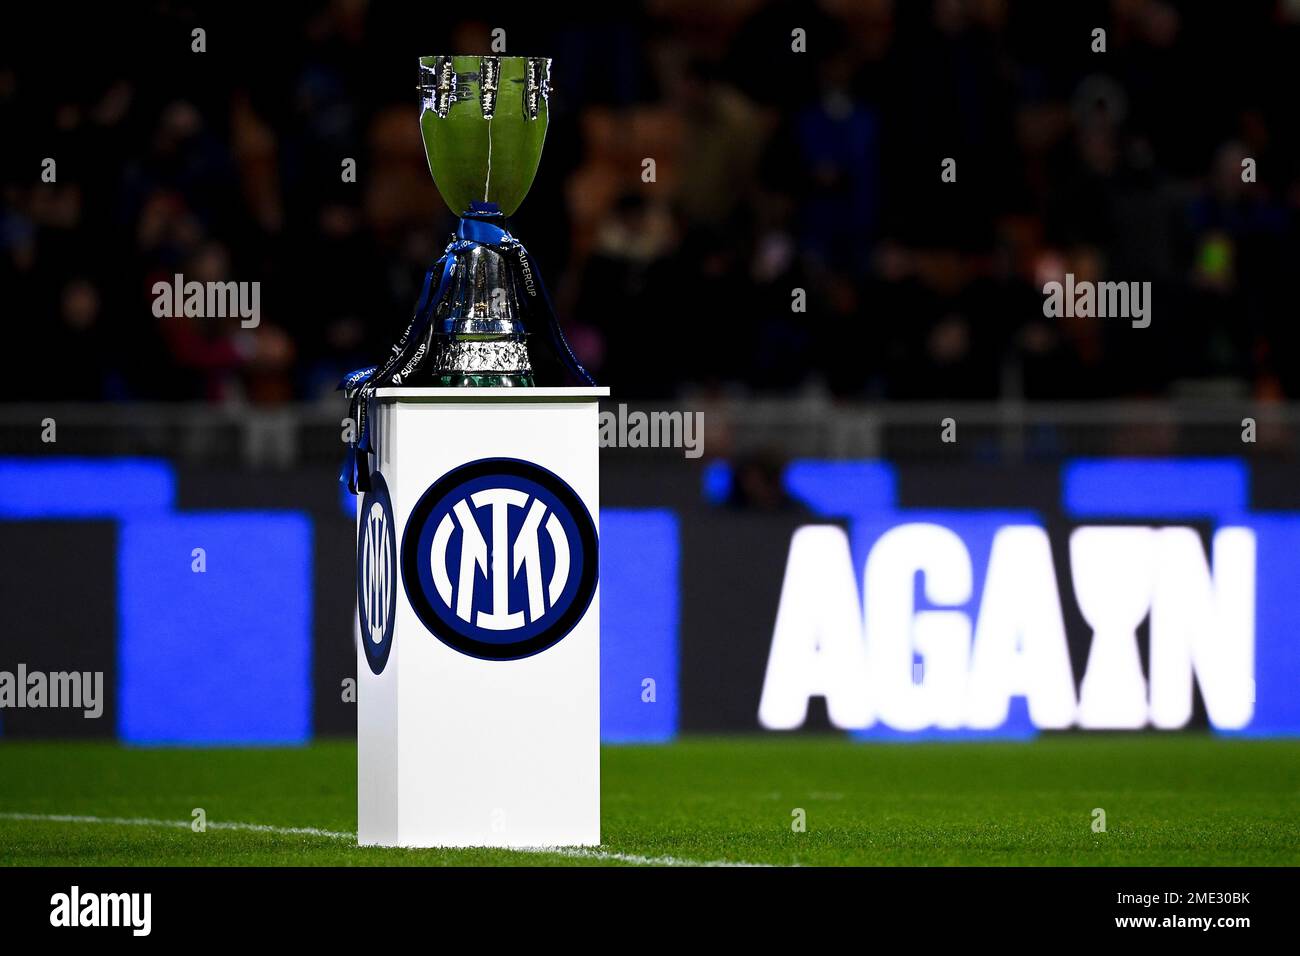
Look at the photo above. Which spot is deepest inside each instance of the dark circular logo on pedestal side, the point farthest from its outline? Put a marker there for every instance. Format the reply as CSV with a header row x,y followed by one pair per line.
x,y
377,574
499,559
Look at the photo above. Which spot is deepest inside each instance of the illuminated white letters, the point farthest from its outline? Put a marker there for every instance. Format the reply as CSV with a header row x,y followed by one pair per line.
x,y
883,658
1020,647
896,630
1113,571
1205,625
817,648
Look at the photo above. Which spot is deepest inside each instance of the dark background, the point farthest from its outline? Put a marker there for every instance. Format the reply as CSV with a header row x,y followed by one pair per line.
x,y
775,170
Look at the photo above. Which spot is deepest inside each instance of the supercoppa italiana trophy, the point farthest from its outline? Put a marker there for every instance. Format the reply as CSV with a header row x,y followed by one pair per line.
x,y
483,304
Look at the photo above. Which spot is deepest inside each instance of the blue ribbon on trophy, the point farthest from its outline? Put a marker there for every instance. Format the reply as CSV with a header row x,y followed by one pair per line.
x,y
416,353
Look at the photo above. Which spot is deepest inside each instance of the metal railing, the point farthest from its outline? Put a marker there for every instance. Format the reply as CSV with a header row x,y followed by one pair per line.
x,y
309,433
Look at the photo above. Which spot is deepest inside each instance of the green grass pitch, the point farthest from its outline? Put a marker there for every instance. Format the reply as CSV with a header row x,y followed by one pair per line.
x,y
1169,800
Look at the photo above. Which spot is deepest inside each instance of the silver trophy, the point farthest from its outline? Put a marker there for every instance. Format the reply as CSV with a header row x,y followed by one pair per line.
x,y
483,121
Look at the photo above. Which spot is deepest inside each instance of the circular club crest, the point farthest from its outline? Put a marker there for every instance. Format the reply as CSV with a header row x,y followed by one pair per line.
x,y
376,574
499,559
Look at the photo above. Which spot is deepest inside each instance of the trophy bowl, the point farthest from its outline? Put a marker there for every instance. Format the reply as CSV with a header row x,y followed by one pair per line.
x,y
483,122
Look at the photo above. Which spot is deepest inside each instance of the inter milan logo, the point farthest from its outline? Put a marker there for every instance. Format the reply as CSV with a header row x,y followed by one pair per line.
x,y
499,559
376,574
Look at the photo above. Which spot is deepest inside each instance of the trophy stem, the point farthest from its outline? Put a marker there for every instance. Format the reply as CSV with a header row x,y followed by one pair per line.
x,y
478,338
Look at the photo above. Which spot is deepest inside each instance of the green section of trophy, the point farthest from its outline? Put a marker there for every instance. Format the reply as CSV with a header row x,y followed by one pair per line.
x,y
483,121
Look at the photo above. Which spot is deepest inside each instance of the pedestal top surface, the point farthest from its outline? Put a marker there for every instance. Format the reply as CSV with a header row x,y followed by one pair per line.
x,y
521,394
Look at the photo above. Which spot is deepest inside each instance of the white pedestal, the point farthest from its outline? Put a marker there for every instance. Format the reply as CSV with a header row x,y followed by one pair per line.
x,y
482,725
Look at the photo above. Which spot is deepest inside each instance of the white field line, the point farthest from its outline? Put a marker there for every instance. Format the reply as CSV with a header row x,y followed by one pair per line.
x,y
177,824
571,852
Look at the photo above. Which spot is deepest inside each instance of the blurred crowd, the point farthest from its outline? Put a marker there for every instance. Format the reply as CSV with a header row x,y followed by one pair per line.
x,y
796,235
